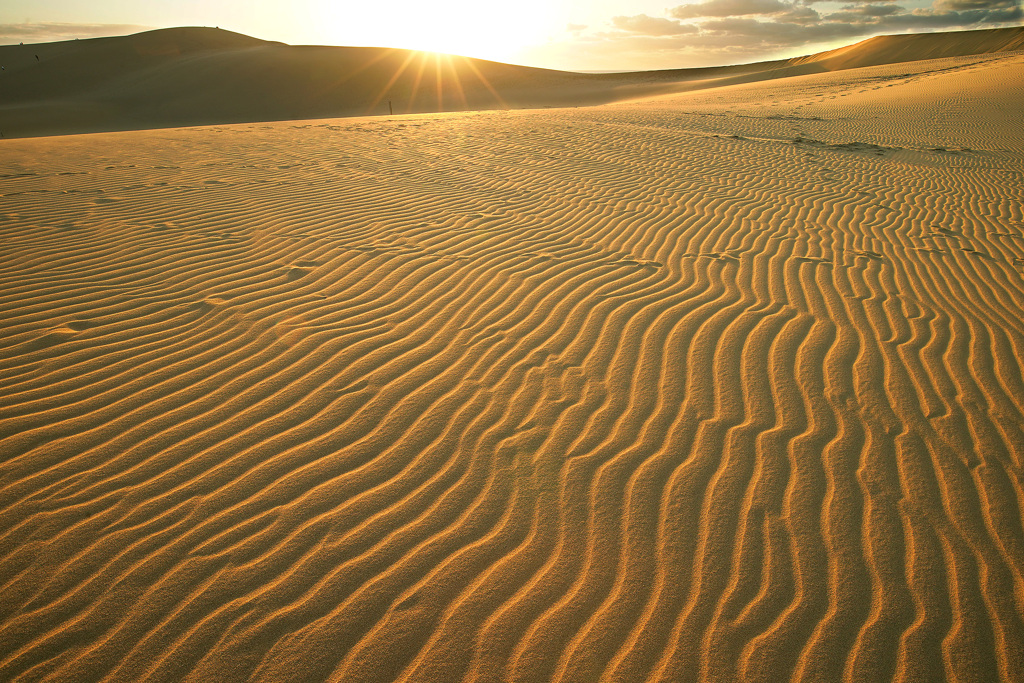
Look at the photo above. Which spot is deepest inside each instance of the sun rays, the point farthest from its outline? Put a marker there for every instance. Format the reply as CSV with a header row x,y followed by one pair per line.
x,y
435,83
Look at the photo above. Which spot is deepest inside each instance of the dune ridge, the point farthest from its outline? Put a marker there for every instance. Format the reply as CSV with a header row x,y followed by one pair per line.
x,y
719,386
190,76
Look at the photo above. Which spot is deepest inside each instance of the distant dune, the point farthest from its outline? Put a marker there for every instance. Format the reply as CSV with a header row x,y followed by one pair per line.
x,y
191,76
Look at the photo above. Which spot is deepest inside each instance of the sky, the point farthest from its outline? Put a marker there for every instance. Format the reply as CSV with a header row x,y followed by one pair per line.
x,y
559,34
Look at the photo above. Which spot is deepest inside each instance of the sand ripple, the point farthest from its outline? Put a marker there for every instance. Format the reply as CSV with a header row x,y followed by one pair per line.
x,y
689,389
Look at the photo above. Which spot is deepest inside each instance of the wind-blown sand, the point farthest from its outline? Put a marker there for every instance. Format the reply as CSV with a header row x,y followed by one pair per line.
x,y
719,386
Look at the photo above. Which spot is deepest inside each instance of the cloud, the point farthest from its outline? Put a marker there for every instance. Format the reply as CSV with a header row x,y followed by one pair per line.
x,y
961,5
763,29
848,2
729,8
800,14
652,26
575,28
850,22
12,34
719,32
853,11
772,35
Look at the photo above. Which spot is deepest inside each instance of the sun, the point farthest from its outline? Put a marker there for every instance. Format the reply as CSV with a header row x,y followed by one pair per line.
x,y
462,27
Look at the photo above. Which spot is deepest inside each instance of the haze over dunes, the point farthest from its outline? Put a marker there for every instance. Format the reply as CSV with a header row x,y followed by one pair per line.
x,y
716,385
190,76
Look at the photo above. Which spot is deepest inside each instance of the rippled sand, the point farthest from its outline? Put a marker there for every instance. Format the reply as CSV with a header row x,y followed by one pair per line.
x,y
718,386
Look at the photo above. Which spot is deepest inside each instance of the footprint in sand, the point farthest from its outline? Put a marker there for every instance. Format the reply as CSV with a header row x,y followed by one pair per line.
x,y
201,307
58,335
727,256
297,272
206,305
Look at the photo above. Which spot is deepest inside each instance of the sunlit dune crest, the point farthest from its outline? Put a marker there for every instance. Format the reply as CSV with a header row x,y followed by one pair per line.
x,y
718,379
193,76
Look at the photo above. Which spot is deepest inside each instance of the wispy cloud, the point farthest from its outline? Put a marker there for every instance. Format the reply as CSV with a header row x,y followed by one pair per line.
x,y
12,34
728,8
652,26
713,32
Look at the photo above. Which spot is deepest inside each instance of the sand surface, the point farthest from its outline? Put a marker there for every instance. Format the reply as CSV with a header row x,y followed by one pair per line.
x,y
190,76
720,386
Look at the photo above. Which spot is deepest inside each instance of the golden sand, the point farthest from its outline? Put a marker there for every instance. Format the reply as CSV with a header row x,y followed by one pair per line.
x,y
724,385
194,76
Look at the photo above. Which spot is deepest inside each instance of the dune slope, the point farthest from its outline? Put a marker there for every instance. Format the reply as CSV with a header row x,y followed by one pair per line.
x,y
188,76
720,386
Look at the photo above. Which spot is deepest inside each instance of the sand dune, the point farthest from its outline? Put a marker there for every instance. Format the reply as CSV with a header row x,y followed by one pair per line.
x,y
719,386
190,76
